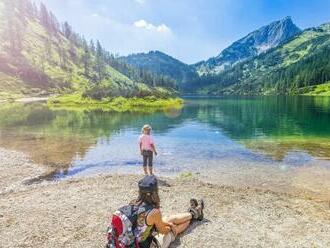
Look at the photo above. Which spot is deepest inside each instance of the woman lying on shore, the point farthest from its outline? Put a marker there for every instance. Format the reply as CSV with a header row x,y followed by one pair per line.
x,y
135,225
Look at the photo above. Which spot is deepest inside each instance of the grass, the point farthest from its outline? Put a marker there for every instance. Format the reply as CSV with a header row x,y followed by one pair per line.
x,y
11,87
116,104
292,47
319,90
185,175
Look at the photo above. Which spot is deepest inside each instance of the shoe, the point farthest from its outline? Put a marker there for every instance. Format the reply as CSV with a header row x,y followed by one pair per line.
x,y
196,209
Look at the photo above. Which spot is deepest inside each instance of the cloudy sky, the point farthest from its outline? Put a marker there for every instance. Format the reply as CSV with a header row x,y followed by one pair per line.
x,y
190,30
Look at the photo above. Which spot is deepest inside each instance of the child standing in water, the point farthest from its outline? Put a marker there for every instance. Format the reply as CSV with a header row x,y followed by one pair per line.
x,y
147,149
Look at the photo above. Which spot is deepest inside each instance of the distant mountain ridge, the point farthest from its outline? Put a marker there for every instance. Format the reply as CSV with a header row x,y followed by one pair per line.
x,y
162,64
250,46
40,56
253,44
298,66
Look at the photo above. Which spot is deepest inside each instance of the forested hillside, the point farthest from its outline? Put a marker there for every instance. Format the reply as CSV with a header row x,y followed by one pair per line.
x,y
40,56
292,68
162,64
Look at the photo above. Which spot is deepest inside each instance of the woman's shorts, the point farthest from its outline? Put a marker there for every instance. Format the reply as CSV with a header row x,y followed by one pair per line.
x,y
164,240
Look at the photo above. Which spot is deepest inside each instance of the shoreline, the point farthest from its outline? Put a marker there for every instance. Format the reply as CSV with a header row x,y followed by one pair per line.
x,y
116,104
74,212
26,99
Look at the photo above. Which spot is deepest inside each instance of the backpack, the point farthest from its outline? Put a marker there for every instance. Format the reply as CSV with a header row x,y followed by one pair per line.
x,y
122,231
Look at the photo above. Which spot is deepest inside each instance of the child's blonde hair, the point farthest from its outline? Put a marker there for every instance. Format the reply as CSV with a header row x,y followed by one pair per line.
x,y
146,128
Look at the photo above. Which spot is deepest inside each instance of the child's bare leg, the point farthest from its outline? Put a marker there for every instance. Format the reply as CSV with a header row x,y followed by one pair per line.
x,y
145,161
145,169
151,170
150,164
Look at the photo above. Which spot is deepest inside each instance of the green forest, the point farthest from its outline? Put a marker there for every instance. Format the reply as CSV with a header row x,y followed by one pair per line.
x,y
41,56
295,67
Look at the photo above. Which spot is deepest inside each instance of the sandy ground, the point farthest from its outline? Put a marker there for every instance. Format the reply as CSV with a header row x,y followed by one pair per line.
x,y
28,99
74,213
32,99
15,169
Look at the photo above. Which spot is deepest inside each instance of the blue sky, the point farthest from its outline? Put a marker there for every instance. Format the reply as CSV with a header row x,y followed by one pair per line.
x,y
190,30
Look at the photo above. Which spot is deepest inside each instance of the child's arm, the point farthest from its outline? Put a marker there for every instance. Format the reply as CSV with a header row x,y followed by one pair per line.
x,y
140,147
154,149
140,144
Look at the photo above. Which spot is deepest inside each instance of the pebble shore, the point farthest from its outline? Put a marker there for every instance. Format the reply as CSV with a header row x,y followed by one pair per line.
x,y
74,212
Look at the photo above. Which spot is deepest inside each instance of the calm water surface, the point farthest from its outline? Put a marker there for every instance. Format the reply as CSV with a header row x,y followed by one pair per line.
x,y
287,132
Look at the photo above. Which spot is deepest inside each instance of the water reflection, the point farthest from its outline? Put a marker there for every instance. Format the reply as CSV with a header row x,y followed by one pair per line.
x,y
294,130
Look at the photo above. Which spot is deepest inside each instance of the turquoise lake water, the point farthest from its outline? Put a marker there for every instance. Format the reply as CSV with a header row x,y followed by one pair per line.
x,y
208,132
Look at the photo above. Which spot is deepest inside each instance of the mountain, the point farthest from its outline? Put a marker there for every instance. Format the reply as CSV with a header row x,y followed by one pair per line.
x,y
162,64
298,66
40,56
253,44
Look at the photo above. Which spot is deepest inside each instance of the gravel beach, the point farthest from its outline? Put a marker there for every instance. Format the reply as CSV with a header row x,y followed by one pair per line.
x,y
74,212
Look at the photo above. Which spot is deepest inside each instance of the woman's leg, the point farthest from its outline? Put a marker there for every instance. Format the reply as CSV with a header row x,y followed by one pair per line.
x,y
182,227
181,221
179,218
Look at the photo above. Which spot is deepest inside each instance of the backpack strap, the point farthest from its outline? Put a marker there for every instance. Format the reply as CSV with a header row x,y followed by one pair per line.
x,y
155,242
145,208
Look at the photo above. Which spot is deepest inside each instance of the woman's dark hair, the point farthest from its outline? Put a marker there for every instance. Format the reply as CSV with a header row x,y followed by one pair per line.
x,y
150,198
148,192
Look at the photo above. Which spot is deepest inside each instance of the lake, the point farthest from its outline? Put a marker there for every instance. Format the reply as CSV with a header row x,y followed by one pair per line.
x,y
231,139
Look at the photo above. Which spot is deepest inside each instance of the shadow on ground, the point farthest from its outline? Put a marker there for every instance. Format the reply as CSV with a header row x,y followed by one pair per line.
x,y
190,230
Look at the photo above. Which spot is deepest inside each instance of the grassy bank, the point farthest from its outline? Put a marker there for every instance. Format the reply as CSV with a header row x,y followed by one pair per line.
x,y
320,90
118,104
314,90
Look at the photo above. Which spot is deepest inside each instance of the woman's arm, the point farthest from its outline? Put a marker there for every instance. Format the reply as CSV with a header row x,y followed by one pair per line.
x,y
155,218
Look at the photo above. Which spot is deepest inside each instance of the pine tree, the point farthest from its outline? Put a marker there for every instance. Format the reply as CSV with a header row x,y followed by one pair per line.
x,y
99,63
44,17
54,23
92,47
67,30
48,50
14,26
86,58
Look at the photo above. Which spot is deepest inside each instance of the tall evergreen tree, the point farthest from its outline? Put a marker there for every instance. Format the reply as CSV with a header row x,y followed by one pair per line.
x,y
14,26
67,30
92,47
99,61
44,17
86,58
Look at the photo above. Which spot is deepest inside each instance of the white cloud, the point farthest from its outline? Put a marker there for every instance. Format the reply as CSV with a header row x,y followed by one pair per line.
x,y
140,1
95,15
162,28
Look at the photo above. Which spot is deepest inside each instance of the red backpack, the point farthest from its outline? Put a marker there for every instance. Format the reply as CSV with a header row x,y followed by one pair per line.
x,y
122,231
